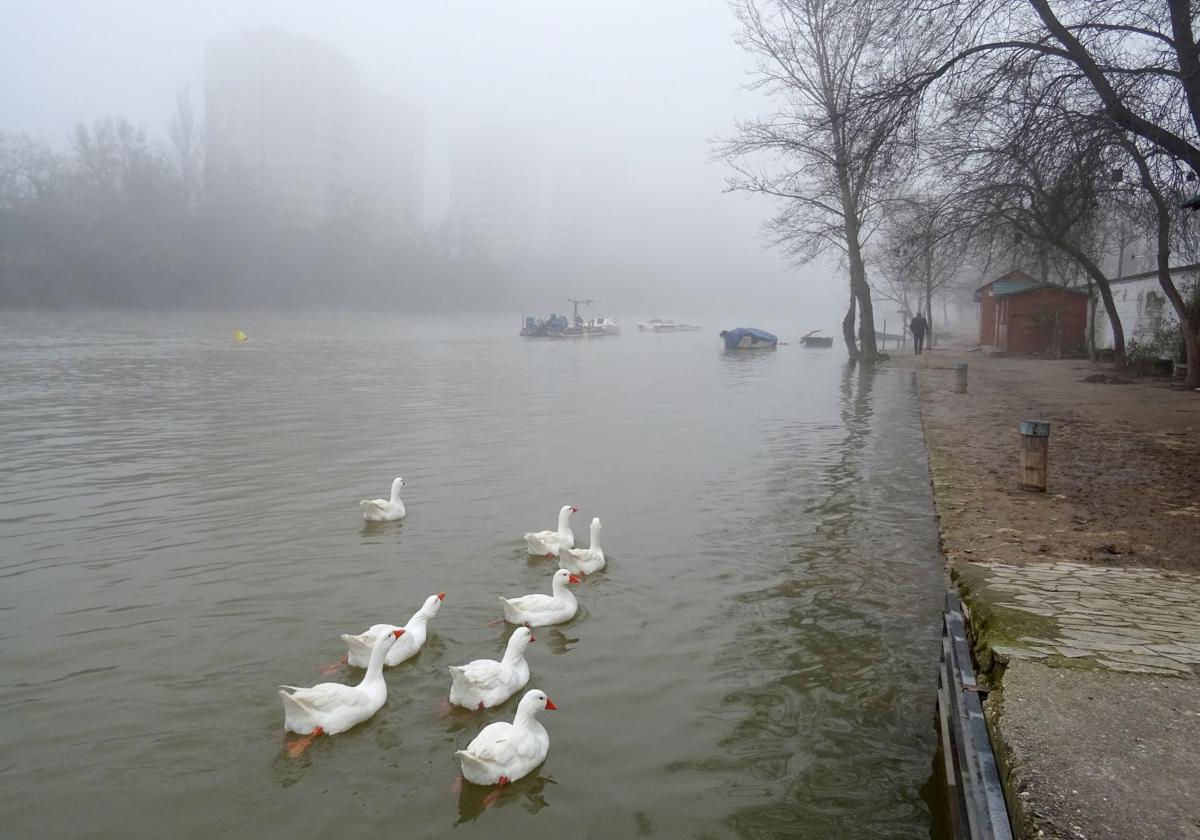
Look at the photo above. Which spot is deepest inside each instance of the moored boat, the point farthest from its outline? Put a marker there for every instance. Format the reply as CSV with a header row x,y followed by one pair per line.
x,y
812,340
749,338
579,332
665,325
608,326
535,327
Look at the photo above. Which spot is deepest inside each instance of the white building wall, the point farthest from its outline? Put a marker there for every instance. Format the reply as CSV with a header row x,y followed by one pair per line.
x,y
1141,306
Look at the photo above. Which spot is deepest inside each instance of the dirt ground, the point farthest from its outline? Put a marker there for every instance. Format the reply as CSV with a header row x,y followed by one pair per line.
x,y
1124,462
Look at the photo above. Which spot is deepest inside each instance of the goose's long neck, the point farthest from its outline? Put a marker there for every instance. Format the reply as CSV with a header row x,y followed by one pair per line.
x,y
512,654
559,587
375,663
564,525
594,543
395,492
417,624
525,717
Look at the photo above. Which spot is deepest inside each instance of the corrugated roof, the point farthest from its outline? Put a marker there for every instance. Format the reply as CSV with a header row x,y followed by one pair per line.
x,y
1015,274
1021,288
1011,287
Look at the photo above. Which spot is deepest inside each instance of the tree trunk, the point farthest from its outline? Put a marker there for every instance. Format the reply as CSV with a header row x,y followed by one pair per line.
x,y
868,351
848,330
1110,306
928,309
1091,324
1187,324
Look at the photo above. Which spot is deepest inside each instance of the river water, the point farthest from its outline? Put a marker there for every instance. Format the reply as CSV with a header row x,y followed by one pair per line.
x,y
179,533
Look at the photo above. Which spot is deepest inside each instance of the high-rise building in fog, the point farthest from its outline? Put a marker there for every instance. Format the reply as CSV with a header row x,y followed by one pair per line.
x,y
497,194
388,158
292,112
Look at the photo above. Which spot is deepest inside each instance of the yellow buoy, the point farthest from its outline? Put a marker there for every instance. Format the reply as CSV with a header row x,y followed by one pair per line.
x,y
239,336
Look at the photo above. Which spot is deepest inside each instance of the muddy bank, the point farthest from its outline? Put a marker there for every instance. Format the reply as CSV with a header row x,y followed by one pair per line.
x,y
1082,597
1124,480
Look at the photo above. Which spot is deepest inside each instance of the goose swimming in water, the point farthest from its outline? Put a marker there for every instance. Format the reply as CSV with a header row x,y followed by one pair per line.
x,y
385,510
550,543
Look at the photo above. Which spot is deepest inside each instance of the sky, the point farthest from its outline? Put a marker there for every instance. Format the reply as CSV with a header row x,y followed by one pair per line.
x,y
622,100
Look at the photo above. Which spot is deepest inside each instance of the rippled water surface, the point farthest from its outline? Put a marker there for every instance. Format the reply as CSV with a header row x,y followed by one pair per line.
x,y
179,533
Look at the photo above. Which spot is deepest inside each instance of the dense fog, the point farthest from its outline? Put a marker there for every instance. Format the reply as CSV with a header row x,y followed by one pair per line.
x,y
418,157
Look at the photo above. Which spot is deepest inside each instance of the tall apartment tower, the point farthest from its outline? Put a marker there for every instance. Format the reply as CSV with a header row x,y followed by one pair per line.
x,y
282,108
292,112
497,194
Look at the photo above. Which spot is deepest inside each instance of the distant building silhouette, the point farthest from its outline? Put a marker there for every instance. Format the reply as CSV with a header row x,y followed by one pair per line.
x,y
292,112
496,194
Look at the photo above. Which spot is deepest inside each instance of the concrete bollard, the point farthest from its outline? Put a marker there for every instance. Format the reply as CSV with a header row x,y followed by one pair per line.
x,y
960,377
1035,445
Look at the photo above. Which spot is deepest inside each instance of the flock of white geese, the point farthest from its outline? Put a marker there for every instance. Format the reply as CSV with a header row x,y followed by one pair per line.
x,y
501,752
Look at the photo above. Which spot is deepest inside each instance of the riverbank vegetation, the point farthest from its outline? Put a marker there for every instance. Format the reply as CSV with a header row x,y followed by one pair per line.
x,y
933,145
115,219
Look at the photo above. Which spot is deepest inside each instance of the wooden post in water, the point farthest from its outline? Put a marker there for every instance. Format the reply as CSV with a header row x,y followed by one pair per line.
x,y
960,377
1035,444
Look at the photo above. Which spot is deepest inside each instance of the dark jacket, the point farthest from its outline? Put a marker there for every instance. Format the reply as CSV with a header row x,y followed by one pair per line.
x,y
919,326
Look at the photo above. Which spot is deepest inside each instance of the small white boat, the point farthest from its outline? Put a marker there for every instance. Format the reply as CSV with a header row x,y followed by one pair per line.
x,y
579,332
657,325
608,326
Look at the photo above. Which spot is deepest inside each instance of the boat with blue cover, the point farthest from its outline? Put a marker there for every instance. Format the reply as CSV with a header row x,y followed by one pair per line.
x,y
749,338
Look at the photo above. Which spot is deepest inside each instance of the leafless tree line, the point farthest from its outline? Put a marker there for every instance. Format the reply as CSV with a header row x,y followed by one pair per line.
x,y
932,141
114,218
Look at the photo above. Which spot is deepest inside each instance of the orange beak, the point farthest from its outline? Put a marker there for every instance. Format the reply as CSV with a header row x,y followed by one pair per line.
x,y
531,638
572,579
398,633
441,596
574,509
550,705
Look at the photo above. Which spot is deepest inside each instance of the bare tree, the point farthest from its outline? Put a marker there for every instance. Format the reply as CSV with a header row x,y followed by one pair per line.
x,y
1023,158
185,152
1189,323
28,168
925,247
1138,63
831,163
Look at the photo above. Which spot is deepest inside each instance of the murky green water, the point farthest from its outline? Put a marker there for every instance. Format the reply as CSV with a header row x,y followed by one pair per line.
x,y
179,533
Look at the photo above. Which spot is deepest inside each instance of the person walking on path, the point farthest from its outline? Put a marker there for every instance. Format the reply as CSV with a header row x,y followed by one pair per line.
x,y
919,326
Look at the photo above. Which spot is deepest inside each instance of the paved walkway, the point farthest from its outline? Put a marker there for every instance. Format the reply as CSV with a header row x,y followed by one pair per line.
x,y
1121,618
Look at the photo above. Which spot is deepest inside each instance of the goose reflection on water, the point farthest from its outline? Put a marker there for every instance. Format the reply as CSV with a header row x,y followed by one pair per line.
x,y
528,792
558,642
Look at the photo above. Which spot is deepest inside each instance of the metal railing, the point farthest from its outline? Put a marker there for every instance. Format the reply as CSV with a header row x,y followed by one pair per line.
x,y
976,797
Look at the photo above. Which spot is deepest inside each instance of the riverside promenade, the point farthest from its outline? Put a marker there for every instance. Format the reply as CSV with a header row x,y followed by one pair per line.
x,y
1084,601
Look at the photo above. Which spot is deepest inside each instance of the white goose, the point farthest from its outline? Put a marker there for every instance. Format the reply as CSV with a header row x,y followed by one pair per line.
x,y
385,510
485,682
550,543
406,647
504,752
585,560
539,610
330,708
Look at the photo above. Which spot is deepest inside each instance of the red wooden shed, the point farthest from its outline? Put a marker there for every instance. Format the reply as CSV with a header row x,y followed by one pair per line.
x,y
1022,314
